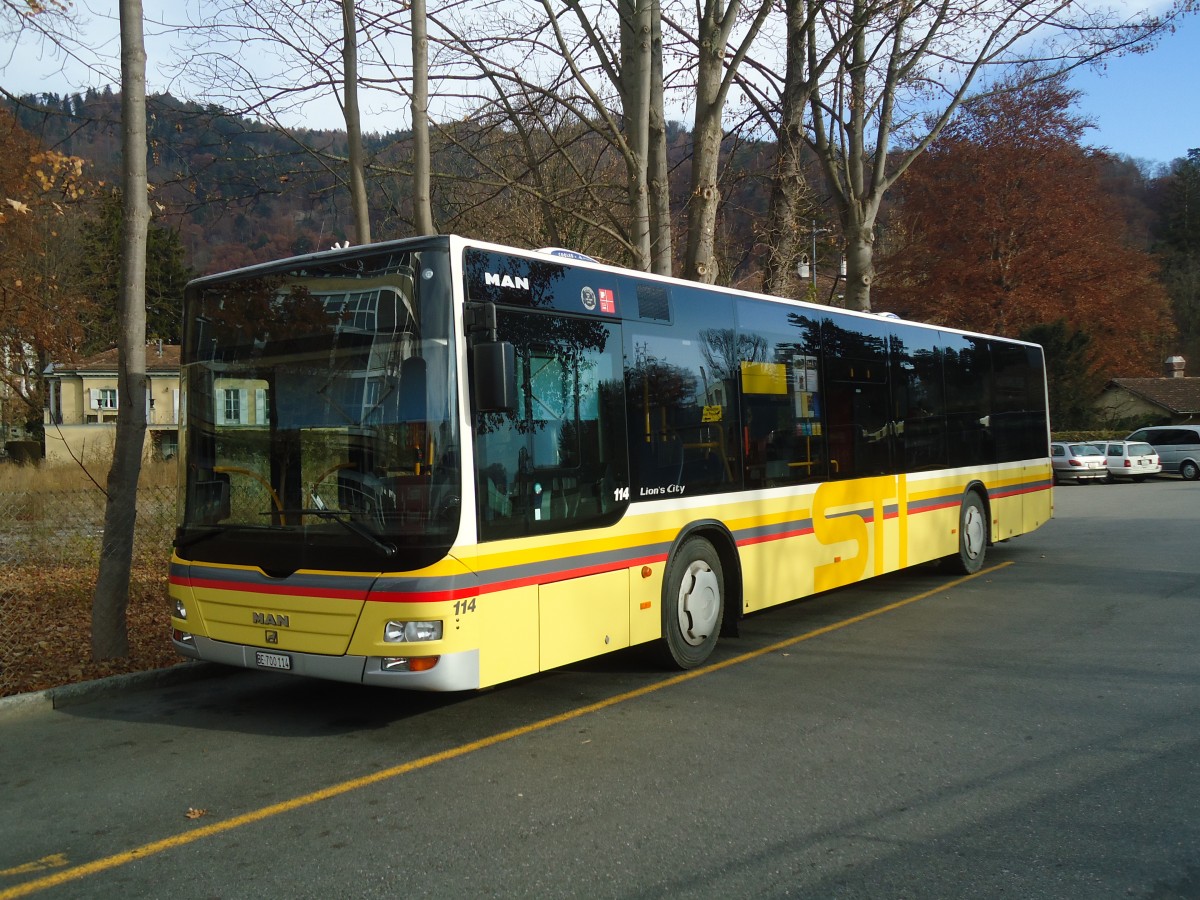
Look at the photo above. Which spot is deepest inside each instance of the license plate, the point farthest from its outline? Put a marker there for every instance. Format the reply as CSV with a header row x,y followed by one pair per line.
x,y
273,660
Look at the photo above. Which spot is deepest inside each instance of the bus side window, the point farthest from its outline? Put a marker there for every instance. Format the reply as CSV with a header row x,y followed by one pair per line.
x,y
1018,422
858,411
681,397
919,400
782,435
968,373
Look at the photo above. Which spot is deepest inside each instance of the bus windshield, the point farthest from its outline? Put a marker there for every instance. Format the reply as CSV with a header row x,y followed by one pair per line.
x,y
320,427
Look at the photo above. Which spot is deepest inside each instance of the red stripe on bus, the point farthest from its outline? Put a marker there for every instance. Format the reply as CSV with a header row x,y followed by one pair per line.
x,y
244,588
782,535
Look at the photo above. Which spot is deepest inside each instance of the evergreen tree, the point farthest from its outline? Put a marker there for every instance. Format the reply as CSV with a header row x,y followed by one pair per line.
x,y
1179,237
1069,358
166,276
1181,213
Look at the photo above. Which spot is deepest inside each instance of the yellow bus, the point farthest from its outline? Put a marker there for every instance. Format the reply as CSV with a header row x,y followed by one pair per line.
x,y
441,464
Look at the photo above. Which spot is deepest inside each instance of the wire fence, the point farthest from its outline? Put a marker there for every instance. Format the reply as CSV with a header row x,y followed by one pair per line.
x,y
50,545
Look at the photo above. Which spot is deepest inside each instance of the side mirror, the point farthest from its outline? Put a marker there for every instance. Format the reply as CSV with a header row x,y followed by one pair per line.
x,y
495,376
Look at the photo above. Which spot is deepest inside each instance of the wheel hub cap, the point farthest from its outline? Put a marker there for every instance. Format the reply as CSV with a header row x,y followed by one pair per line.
x,y
699,603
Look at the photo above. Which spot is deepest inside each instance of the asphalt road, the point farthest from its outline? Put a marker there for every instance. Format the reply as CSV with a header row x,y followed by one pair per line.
x,y
1031,732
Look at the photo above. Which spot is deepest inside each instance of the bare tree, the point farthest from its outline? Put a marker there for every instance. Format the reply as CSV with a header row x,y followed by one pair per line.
x,y
716,72
111,597
634,79
905,67
612,90
634,122
422,194
353,119
662,247
782,104
269,59
51,23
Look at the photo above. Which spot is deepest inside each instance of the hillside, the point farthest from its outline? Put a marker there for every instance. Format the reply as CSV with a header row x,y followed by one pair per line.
x,y
236,191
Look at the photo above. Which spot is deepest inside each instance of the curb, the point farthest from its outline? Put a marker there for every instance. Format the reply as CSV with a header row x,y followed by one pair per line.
x,y
89,691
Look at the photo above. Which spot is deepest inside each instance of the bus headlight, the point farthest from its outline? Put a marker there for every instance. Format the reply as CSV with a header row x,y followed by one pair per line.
x,y
409,632
180,609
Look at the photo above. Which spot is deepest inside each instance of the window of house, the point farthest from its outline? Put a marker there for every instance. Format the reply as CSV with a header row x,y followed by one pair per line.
x,y
233,405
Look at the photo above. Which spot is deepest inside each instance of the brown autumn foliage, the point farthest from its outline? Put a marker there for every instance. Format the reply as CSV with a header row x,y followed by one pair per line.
x,y
50,519
1005,224
39,310
46,632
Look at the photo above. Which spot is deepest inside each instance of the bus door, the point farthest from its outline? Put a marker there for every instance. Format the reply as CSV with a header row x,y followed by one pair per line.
x,y
557,464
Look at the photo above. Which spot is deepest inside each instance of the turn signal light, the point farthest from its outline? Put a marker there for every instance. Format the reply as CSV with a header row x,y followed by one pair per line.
x,y
409,663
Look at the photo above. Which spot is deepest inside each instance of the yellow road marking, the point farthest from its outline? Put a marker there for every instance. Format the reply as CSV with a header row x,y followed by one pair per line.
x,y
336,790
46,862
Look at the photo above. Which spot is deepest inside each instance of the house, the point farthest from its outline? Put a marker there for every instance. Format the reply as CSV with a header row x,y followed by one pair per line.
x,y
83,403
1171,400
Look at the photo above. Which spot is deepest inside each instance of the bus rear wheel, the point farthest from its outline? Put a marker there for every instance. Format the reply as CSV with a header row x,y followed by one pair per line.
x,y
972,537
693,604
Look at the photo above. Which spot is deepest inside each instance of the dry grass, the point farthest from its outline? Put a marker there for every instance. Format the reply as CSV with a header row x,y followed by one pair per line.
x,y
69,477
51,520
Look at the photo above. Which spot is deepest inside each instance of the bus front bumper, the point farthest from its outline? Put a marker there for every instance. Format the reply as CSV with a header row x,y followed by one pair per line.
x,y
452,672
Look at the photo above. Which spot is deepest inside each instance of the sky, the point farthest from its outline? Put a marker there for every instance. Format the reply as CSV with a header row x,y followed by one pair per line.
x,y
1145,106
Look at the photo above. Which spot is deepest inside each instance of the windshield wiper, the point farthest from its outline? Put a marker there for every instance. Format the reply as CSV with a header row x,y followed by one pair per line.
x,y
343,519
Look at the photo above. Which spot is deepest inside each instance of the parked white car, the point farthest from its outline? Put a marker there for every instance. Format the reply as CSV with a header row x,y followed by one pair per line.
x,y
1077,461
1135,460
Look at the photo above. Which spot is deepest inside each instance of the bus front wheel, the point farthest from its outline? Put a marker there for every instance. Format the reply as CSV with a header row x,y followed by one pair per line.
x,y
693,604
972,536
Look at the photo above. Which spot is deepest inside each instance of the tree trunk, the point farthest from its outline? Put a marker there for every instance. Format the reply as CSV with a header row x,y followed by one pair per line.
x,y
788,187
860,253
854,172
714,75
662,243
358,184
110,636
635,90
700,263
422,198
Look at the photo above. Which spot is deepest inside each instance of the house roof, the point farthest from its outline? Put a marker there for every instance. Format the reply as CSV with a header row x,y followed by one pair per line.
x,y
159,360
1179,396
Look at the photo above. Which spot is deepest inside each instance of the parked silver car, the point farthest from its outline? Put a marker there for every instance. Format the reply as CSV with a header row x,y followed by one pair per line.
x,y
1135,460
1077,461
